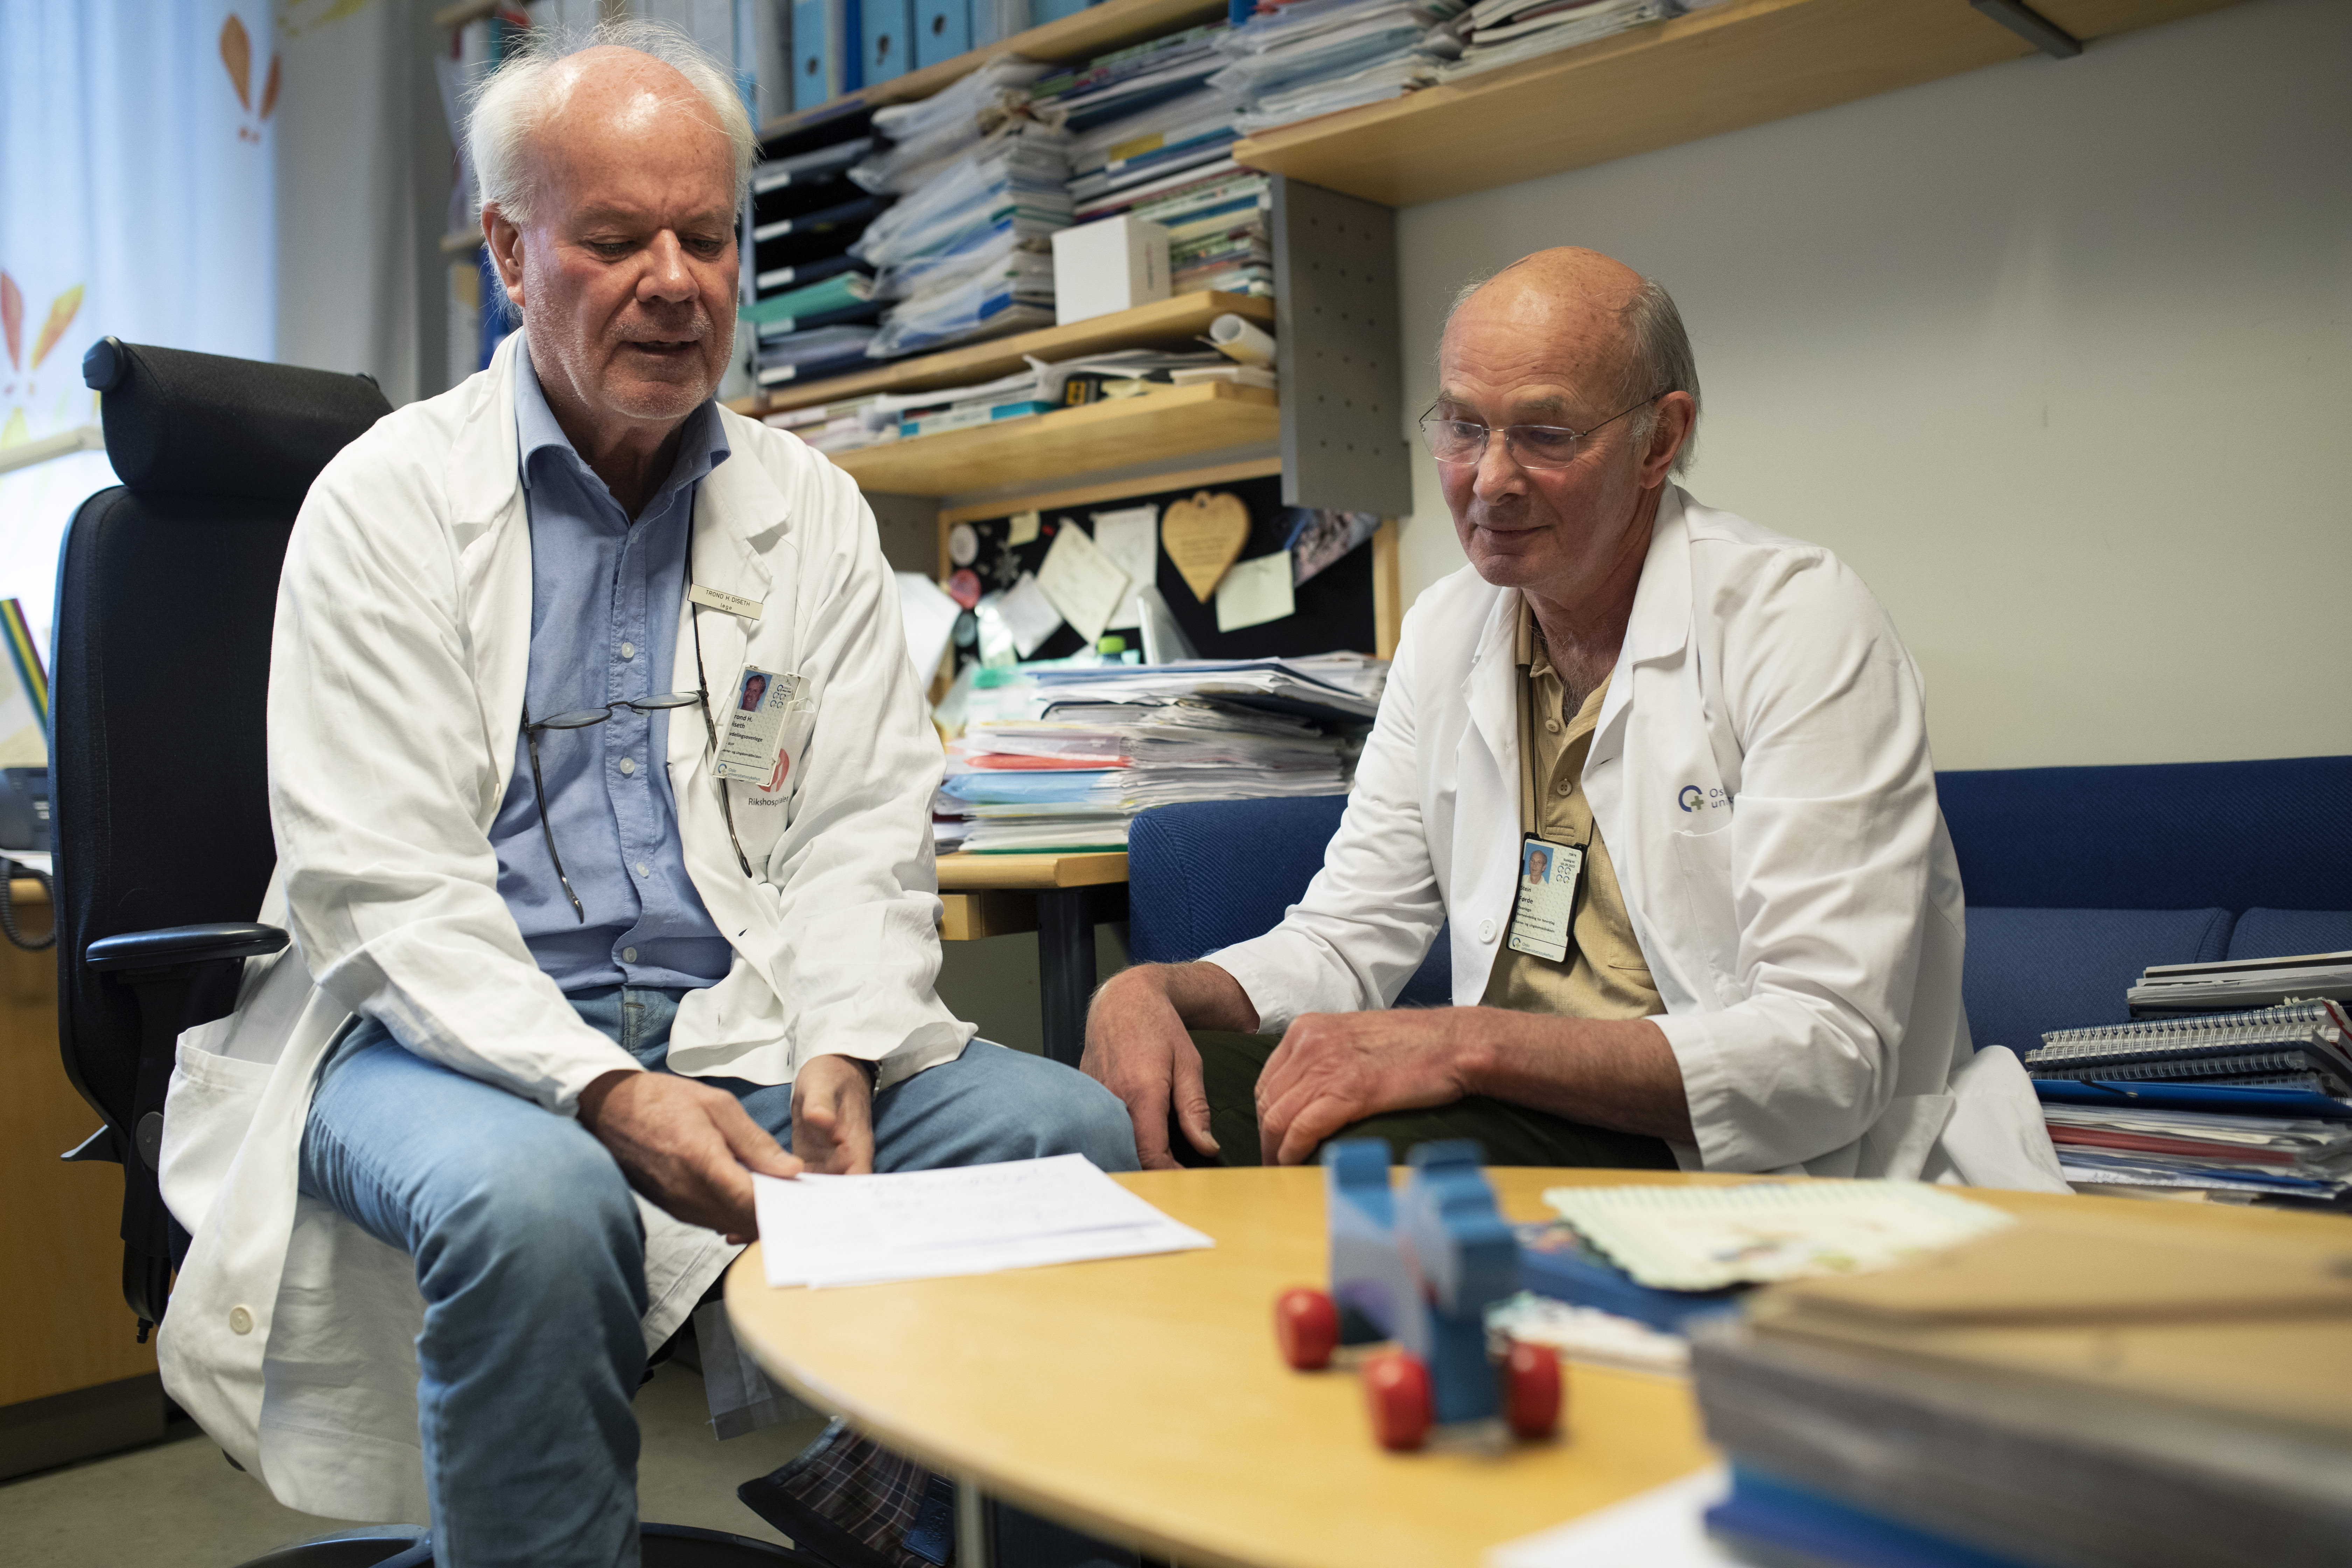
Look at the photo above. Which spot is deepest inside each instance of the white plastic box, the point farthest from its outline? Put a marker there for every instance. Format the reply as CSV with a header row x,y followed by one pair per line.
x,y
1113,264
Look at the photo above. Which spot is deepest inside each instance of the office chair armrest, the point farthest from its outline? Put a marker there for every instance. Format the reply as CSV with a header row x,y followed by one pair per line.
x,y
178,947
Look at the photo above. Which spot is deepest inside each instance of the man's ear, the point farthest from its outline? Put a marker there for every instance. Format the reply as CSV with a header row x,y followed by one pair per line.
x,y
505,241
1668,431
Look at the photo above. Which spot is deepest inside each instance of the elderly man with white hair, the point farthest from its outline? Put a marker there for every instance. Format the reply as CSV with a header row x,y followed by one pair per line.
x,y
1743,951
585,932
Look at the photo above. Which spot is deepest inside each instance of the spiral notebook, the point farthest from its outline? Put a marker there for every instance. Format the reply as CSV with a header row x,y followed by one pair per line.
x,y
2295,1045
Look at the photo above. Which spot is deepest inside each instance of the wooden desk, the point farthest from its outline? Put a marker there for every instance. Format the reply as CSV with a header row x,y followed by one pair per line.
x,y
1053,894
1143,1400
74,1380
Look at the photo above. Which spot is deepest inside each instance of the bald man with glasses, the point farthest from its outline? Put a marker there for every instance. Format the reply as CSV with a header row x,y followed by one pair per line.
x,y
1746,954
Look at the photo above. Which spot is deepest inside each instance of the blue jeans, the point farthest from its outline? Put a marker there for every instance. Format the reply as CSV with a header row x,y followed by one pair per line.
x,y
532,1263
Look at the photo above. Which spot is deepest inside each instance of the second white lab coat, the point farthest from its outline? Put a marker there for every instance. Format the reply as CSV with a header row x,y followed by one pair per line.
x,y
1760,775
396,684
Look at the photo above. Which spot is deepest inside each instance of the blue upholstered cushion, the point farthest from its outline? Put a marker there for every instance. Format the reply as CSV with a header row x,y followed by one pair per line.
x,y
2031,971
2172,836
2284,933
1211,873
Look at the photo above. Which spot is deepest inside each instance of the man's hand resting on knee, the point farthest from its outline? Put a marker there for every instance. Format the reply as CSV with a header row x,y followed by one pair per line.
x,y
689,1148
1138,1047
833,1115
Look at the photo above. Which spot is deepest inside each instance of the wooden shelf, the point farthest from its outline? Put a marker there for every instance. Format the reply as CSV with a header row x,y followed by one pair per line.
x,y
1171,323
1736,64
1157,426
1097,30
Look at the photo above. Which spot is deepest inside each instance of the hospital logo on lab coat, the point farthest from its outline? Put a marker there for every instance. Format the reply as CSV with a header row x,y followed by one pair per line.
x,y
1694,798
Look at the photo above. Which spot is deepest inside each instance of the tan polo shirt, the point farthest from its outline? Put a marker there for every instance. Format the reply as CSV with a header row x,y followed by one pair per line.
x,y
1603,975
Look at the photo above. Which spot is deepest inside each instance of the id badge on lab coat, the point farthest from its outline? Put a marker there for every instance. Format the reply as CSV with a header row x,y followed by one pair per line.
x,y
1544,914
768,721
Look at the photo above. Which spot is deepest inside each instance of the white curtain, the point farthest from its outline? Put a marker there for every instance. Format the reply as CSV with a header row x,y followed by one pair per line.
x,y
137,199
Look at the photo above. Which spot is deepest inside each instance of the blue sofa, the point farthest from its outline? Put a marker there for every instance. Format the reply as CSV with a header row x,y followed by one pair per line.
x,y
2076,879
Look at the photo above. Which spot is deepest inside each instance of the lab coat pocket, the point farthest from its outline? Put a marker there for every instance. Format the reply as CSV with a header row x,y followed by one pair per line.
x,y
800,725
1709,924
207,1110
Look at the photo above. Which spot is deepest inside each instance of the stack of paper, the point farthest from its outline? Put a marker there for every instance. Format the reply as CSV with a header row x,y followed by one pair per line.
x,y
1496,33
2164,989
2225,1140
813,355
967,253
1117,740
1319,55
926,1224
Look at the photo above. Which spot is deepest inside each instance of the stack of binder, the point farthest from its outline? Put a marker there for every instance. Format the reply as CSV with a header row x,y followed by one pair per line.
x,y
811,305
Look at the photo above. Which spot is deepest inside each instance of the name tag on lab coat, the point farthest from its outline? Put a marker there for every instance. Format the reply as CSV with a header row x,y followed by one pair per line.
x,y
1543,916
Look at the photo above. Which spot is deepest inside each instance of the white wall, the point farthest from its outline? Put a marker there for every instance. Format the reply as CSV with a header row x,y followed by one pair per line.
x,y
2058,354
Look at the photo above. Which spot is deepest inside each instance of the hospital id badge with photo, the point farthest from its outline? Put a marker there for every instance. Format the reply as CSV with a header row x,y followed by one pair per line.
x,y
1544,915
751,740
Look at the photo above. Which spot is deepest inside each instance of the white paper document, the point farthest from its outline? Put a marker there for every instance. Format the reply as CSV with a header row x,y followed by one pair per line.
x,y
1086,585
1028,614
1254,592
1661,1528
1130,537
930,618
979,1219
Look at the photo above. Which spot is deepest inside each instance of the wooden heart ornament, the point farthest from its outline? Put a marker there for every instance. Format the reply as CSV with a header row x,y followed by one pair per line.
x,y
1204,536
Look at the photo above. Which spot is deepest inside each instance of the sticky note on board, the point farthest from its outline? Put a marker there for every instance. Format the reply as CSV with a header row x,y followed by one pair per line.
x,y
1085,584
1255,592
1021,530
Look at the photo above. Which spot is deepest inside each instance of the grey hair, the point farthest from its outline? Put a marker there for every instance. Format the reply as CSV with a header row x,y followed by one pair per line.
x,y
512,102
1659,361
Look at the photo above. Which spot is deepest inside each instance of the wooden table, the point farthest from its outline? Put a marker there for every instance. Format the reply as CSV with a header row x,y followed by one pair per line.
x,y
74,1380
1057,897
1142,1399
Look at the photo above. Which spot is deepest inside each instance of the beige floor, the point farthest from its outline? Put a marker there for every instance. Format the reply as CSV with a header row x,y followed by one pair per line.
x,y
178,1504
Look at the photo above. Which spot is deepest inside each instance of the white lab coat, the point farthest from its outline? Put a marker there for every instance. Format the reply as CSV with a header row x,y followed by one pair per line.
x,y
396,687
1761,778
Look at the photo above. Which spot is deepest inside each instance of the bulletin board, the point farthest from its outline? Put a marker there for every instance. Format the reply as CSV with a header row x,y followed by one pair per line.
x,y
1351,604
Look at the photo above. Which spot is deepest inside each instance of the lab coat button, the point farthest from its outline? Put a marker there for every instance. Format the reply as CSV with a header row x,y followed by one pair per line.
x,y
628,767
240,1321
1485,931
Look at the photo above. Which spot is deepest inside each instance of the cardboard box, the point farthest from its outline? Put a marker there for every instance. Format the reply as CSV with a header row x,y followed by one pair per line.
x,y
1115,264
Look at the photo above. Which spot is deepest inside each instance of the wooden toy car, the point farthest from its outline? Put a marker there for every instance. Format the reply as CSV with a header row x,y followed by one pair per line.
x,y
1420,1267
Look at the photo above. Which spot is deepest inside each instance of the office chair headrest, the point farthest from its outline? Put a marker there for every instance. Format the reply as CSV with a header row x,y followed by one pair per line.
x,y
207,424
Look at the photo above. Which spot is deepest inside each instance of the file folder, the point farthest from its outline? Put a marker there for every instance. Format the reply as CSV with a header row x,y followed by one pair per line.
x,y
943,30
826,60
889,38
1044,11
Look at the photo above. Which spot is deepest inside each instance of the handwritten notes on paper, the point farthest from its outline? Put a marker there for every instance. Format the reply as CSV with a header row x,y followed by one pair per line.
x,y
979,1219
1130,537
1083,583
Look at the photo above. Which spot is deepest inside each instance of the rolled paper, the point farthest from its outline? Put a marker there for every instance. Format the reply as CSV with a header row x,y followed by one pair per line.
x,y
1242,341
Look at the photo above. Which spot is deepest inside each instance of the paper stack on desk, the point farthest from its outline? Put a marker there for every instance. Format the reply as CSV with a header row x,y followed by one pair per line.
x,y
929,1225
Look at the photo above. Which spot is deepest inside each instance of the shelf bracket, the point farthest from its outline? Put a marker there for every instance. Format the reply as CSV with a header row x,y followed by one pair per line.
x,y
2032,27
1339,352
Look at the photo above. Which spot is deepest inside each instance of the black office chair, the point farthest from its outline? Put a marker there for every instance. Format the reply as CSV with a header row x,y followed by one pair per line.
x,y
167,587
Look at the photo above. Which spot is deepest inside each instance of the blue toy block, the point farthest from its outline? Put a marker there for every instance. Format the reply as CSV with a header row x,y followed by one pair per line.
x,y
1421,1267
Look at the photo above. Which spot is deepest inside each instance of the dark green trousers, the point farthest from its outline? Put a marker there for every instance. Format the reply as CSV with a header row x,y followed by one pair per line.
x,y
1510,1134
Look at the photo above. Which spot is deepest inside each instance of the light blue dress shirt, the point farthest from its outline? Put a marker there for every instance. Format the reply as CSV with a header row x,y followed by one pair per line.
x,y
604,601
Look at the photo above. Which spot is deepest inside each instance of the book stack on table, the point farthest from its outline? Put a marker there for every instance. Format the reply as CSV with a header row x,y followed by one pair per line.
x,y
2247,1102
2076,1391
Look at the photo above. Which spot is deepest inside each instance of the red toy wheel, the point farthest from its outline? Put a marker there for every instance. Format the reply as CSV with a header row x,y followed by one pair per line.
x,y
1396,1387
1306,1326
1531,1389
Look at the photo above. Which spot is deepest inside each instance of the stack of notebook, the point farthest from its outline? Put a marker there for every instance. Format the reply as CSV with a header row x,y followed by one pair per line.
x,y
2249,1103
